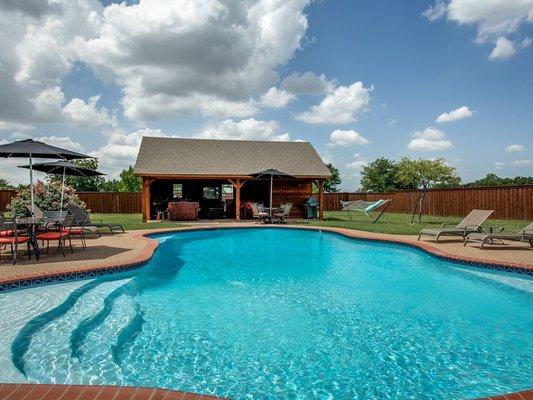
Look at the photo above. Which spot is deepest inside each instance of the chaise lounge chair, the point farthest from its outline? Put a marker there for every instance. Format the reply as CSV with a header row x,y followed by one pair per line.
x,y
524,235
470,224
83,219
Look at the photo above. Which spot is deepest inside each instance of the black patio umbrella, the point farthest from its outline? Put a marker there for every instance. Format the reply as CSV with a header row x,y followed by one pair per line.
x,y
271,173
30,149
63,168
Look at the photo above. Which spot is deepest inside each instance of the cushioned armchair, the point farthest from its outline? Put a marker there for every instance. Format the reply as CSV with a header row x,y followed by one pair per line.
x,y
183,211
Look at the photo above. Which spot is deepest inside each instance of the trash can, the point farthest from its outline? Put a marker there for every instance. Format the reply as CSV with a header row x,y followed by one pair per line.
x,y
311,208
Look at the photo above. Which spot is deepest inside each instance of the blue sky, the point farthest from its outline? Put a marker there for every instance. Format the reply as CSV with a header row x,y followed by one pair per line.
x,y
358,79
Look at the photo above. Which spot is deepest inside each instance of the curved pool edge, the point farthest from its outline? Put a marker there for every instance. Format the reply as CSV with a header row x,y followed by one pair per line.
x,y
147,252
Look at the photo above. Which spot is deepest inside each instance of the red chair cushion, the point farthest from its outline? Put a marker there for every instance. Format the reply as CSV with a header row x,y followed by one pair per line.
x,y
51,235
6,233
13,239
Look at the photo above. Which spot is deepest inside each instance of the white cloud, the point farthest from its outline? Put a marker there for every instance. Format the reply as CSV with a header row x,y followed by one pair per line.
x,y
306,83
436,11
392,122
357,164
454,115
494,20
503,50
121,150
64,142
345,138
430,139
187,56
515,148
13,126
522,163
276,98
338,107
499,164
85,114
247,129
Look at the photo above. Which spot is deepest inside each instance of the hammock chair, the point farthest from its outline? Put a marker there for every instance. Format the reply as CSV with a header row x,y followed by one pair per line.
x,y
365,206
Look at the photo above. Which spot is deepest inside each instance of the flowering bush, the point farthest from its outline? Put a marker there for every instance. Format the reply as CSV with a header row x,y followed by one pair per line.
x,y
47,196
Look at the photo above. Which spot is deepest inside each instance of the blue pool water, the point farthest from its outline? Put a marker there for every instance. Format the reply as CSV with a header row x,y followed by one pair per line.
x,y
279,313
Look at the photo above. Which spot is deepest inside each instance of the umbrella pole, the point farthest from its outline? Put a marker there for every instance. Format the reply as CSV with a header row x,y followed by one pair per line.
x,y
31,188
62,189
271,184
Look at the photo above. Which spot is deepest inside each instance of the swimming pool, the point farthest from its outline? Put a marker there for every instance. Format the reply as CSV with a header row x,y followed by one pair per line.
x,y
279,313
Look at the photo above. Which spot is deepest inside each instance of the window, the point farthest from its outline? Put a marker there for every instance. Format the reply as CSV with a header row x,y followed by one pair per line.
x,y
211,192
177,190
227,192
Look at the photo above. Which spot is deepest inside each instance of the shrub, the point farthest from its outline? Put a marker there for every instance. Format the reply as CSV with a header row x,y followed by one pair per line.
x,y
47,196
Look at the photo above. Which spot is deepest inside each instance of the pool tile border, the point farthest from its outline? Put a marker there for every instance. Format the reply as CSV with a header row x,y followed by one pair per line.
x,y
146,254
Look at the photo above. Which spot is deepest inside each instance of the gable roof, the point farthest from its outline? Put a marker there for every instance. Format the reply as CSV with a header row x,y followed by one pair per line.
x,y
177,156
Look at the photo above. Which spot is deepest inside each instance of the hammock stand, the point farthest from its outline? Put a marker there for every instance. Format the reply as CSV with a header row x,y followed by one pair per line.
x,y
365,206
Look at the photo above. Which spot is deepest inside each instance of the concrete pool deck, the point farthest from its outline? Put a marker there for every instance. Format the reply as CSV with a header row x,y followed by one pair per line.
x,y
133,248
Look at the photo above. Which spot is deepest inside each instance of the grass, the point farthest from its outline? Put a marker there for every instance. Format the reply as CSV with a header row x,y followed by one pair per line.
x,y
132,222
401,223
389,222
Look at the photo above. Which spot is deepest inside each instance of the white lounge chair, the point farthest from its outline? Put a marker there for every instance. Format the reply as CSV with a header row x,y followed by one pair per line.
x,y
470,224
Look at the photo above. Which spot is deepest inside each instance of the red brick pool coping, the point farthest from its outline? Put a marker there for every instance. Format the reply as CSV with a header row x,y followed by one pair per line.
x,y
27,391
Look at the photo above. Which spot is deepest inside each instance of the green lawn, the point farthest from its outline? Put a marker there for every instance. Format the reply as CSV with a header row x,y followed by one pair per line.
x,y
132,222
400,223
389,223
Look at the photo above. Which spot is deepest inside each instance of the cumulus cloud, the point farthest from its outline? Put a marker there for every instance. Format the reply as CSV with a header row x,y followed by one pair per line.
x,y
454,115
345,138
121,149
306,83
276,98
247,129
357,164
523,163
340,106
86,114
430,139
188,56
495,20
499,164
515,148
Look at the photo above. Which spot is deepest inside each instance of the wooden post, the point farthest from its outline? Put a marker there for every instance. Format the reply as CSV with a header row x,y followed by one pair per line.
x,y
146,199
321,199
238,200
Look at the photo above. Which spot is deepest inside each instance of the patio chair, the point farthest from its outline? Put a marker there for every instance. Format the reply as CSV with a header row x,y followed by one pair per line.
x,y
470,224
259,213
10,236
283,213
365,207
61,235
83,219
523,235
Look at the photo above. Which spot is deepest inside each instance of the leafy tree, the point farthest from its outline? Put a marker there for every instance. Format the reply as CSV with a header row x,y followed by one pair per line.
x,y
111,185
4,184
495,180
332,184
129,182
424,174
379,176
82,183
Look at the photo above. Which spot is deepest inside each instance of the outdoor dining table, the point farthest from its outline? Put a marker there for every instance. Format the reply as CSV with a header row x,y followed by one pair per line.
x,y
31,224
270,211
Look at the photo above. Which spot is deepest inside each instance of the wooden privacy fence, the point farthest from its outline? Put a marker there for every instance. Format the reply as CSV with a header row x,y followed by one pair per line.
x,y
508,202
97,202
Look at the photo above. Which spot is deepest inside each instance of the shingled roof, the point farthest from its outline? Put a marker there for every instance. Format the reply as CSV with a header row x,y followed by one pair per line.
x,y
177,156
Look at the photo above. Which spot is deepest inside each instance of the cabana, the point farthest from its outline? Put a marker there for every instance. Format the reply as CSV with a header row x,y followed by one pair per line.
x,y
218,175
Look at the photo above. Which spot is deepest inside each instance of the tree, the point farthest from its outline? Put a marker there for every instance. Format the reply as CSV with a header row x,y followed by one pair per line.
x,y
4,184
495,180
379,176
331,185
424,174
111,185
82,183
129,182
